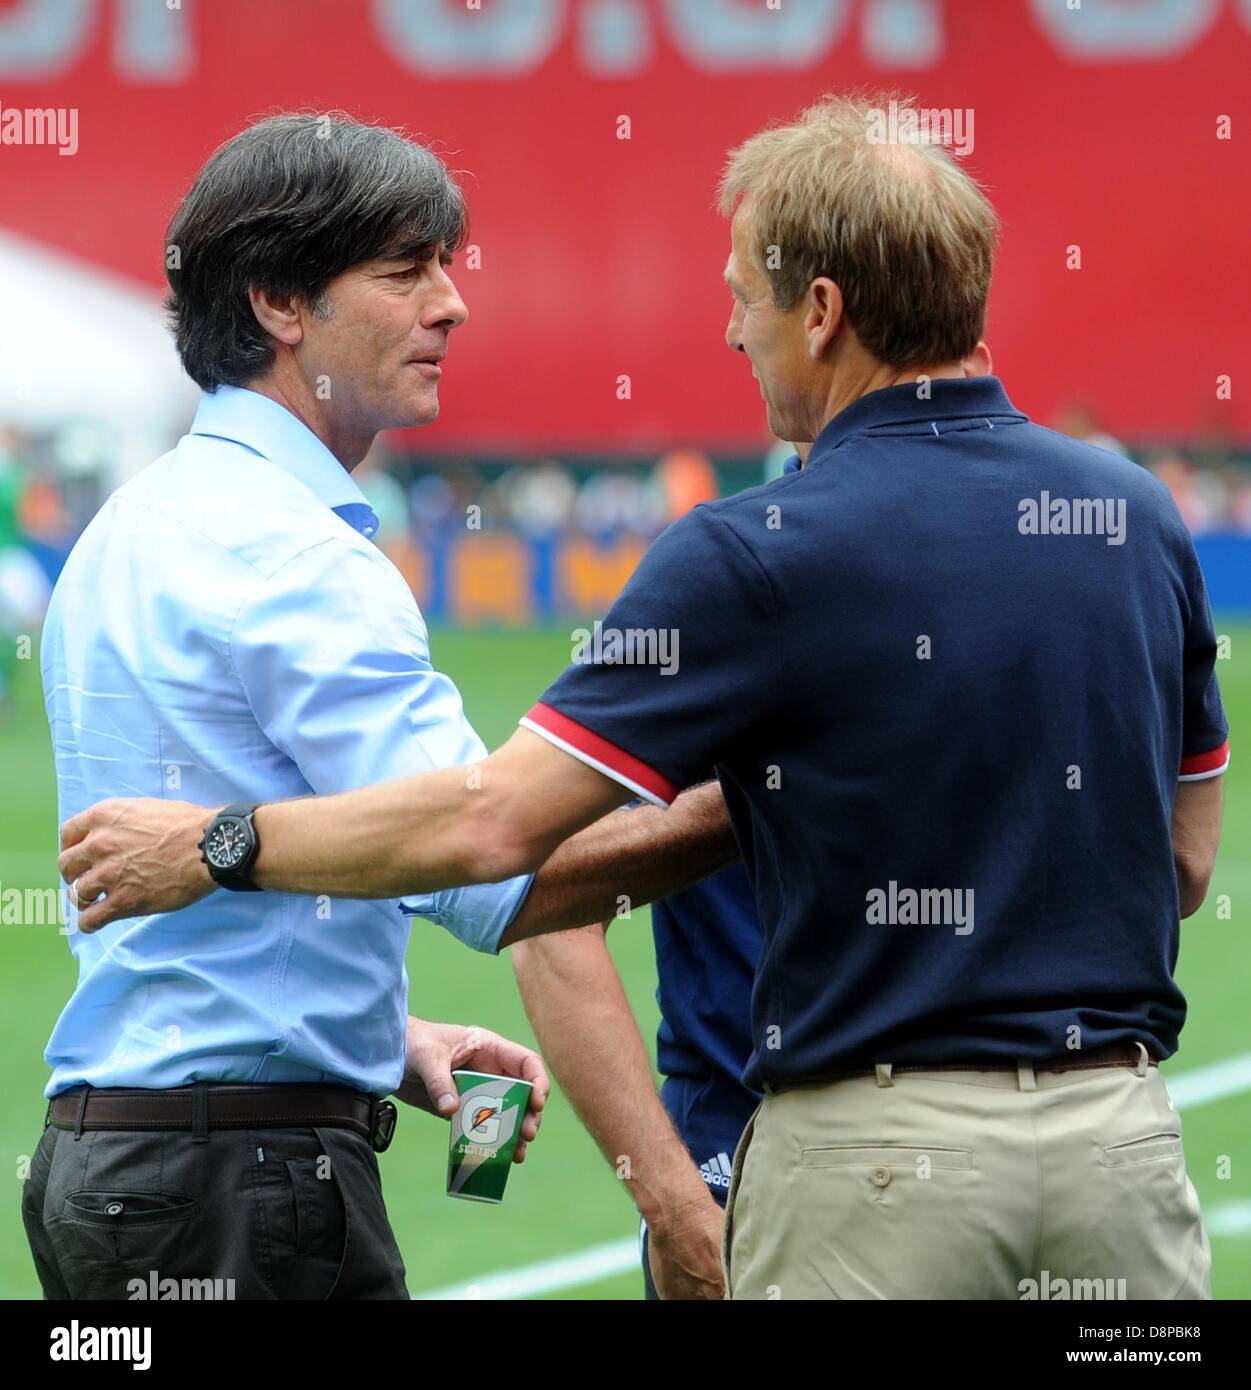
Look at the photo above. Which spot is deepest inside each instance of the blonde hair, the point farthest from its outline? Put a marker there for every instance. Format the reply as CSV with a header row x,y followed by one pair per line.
x,y
905,233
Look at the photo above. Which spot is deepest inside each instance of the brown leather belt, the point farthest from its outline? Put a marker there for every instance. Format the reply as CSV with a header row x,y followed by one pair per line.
x,y
1118,1055
209,1105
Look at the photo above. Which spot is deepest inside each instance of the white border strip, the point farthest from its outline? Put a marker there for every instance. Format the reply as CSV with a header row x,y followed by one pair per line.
x,y
1203,776
527,723
1189,1089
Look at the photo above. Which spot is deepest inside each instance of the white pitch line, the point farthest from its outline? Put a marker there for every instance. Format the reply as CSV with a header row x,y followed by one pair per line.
x,y
1188,1090
1230,1219
1213,1082
564,1272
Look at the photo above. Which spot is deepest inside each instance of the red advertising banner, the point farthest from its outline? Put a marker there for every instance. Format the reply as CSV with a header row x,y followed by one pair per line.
x,y
1111,134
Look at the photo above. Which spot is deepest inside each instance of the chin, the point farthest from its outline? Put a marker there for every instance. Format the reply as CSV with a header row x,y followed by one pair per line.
x,y
423,410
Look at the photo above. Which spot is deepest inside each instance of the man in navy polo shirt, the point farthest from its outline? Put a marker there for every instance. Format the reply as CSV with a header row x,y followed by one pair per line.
x,y
948,677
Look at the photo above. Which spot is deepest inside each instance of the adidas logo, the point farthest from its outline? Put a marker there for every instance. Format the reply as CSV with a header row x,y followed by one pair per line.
x,y
716,1172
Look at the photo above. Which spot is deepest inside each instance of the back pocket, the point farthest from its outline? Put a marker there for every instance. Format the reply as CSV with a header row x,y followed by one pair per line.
x,y
1149,1150
122,1210
886,1157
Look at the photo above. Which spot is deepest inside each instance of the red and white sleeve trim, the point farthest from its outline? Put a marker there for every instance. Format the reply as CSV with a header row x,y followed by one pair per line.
x,y
598,753
1199,766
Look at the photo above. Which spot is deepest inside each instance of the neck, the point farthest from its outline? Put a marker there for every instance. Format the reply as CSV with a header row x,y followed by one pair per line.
x,y
847,387
347,441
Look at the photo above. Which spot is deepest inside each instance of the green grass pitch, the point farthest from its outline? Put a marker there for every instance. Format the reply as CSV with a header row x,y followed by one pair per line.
x,y
565,1197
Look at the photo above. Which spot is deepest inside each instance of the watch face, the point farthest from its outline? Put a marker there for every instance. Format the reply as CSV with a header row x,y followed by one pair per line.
x,y
227,844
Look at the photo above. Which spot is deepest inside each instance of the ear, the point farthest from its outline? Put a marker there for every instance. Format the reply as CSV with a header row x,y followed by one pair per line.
x,y
824,315
278,315
978,362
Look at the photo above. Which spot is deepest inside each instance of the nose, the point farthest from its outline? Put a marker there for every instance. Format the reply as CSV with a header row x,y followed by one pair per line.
x,y
446,309
734,329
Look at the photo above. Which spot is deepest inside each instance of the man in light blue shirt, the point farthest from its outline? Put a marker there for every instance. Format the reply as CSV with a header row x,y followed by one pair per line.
x,y
225,628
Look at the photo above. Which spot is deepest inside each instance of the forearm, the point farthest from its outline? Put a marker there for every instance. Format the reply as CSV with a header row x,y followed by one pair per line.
x,y
588,1037
628,859
443,829
415,835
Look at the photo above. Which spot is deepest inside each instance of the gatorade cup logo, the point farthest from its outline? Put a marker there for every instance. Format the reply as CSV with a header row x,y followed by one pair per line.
x,y
480,1119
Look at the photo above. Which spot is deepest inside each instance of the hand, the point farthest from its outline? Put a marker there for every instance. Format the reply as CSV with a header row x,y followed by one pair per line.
x,y
684,1251
143,854
435,1050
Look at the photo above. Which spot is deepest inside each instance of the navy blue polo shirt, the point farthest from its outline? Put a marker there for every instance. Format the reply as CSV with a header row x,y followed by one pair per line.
x,y
948,676
707,945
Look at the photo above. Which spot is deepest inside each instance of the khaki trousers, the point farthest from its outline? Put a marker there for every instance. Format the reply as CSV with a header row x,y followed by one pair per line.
x,y
967,1184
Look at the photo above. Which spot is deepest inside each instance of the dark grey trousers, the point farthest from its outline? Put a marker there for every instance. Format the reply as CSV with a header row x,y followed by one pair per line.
x,y
255,1214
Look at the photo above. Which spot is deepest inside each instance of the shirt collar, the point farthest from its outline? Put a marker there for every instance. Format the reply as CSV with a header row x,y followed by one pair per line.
x,y
960,398
270,430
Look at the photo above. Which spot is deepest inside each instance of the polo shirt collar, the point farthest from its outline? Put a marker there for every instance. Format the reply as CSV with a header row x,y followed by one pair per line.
x,y
270,430
960,398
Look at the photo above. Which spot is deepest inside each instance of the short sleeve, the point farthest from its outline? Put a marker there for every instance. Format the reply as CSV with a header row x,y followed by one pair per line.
x,y
684,666
1205,732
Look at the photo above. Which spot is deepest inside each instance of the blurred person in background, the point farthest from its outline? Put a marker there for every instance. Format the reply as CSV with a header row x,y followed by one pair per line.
x,y
1078,421
686,478
538,498
24,589
615,499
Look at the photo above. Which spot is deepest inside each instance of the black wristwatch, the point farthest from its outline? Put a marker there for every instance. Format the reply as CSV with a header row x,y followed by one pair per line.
x,y
230,846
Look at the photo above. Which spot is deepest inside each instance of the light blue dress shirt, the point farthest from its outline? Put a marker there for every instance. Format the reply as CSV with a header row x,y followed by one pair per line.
x,y
224,631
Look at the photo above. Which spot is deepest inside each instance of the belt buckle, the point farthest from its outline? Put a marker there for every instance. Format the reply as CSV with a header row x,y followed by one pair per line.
x,y
385,1118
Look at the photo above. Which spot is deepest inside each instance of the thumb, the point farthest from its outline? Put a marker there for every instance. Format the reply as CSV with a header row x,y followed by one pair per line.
x,y
441,1089
431,1064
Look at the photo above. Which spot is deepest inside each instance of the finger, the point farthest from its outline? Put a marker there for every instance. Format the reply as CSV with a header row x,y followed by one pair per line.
x,y
85,890
512,1059
76,828
519,1153
535,1072
74,862
100,914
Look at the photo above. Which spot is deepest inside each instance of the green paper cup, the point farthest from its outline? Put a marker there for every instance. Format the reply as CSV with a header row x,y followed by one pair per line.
x,y
485,1130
